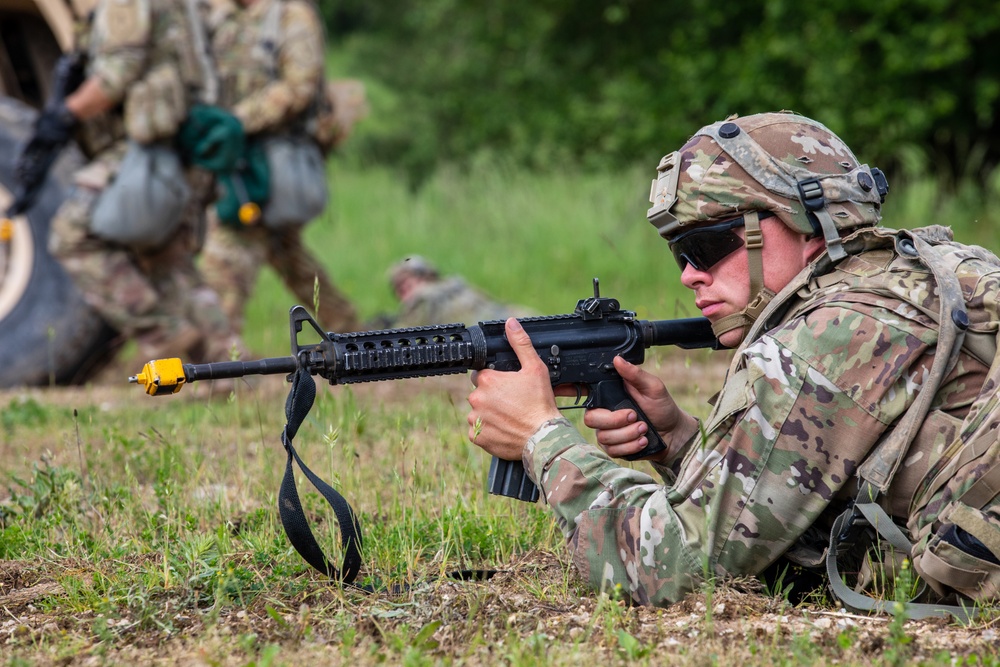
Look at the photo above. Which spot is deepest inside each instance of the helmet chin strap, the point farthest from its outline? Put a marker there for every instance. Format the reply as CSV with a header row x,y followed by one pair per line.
x,y
760,296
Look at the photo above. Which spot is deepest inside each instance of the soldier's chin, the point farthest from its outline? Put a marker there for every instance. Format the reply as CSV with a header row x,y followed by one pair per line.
x,y
732,338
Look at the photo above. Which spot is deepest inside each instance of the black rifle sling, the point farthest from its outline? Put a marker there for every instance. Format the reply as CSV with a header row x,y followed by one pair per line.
x,y
293,519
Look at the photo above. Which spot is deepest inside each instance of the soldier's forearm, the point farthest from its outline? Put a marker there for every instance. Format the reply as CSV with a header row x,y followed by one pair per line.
x,y
271,107
89,100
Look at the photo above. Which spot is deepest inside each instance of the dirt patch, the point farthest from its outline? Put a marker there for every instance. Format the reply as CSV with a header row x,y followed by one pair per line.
x,y
23,583
537,597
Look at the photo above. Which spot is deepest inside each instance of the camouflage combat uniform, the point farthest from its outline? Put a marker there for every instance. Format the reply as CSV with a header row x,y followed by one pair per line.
x,y
449,300
802,406
826,368
270,89
155,296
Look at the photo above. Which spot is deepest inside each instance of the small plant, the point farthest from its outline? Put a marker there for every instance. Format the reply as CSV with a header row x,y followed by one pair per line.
x,y
630,647
898,642
50,488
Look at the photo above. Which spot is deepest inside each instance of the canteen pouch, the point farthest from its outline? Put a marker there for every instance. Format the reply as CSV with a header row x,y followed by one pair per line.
x,y
298,186
143,205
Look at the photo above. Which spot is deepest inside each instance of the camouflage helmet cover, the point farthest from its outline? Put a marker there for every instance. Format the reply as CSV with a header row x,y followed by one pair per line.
x,y
757,163
414,265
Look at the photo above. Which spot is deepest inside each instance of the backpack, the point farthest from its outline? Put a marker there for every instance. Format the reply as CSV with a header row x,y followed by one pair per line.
x,y
952,536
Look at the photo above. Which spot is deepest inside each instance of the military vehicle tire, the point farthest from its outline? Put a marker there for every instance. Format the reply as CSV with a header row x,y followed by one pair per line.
x,y
47,333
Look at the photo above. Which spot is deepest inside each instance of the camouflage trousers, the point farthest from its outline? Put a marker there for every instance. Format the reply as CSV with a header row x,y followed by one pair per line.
x,y
232,259
155,297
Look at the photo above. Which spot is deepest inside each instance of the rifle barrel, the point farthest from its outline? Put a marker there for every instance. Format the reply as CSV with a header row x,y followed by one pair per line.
x,y
234,369
689,333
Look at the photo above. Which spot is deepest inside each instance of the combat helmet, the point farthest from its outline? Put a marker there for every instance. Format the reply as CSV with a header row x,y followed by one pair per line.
x,y
780,163
413,265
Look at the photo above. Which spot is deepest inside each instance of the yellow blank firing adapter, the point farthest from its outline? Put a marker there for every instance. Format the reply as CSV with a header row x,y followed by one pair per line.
x,y
249,213
161,377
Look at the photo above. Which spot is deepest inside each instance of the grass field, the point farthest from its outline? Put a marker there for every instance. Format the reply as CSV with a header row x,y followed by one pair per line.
x,y
144,531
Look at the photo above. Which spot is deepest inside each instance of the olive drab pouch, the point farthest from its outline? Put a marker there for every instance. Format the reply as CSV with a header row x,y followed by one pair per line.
x,y
156,106
298,184
957,514
143,205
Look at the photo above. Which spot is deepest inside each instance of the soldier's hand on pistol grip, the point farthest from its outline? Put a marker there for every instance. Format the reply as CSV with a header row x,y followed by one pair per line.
x,y
622,433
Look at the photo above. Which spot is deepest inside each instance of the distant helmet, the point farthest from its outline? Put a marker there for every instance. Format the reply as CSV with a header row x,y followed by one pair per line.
x,y
414,265
780,162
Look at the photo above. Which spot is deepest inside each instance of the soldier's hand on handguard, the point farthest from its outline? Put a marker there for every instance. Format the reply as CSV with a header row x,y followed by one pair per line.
x,y
508,407
621,433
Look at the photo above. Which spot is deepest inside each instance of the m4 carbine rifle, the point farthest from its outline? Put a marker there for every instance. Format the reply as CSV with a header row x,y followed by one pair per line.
x,y
578,348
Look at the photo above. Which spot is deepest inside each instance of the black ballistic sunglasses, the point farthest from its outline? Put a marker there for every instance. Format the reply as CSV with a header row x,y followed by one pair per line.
x,y
704,247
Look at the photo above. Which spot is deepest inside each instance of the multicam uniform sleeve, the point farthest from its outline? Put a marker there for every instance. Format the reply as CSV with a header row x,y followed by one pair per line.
x,y
814,398
119,44
300,65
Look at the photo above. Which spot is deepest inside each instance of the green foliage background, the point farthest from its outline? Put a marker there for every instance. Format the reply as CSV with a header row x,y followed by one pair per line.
x,y
610,83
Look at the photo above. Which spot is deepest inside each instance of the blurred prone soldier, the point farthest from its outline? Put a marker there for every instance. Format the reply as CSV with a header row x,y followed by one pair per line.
x,y
427,297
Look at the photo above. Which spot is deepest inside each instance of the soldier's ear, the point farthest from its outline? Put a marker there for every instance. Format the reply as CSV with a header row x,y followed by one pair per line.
x,y
814,247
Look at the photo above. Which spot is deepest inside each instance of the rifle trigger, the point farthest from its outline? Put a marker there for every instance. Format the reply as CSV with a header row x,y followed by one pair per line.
x,y
577,405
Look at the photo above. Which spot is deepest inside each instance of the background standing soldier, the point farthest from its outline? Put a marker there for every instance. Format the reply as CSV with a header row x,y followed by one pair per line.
x,y
127,235
270,55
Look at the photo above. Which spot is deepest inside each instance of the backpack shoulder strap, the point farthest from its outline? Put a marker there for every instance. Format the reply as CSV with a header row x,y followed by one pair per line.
x,y
877,471
953,321
270,34
209,91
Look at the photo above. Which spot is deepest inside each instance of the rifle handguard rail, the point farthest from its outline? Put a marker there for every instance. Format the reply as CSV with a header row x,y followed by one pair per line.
x,y
578,348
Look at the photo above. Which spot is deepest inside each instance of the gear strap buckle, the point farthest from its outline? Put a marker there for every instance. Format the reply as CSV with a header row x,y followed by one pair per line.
x,y
811,194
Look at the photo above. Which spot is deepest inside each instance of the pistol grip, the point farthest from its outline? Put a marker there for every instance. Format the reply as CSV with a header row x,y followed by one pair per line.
x,y
611,394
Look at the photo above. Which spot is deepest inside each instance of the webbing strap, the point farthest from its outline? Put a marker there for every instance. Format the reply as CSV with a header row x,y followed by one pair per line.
x,y
760,296
940,570
293,519
881,466
266,47
841,540
983,490
209,90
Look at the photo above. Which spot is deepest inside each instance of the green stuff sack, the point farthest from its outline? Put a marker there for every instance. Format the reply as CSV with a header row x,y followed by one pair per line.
x,y
212,138
250,183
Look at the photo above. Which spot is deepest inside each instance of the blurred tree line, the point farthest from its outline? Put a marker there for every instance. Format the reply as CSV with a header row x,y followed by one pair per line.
x,y
610,83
